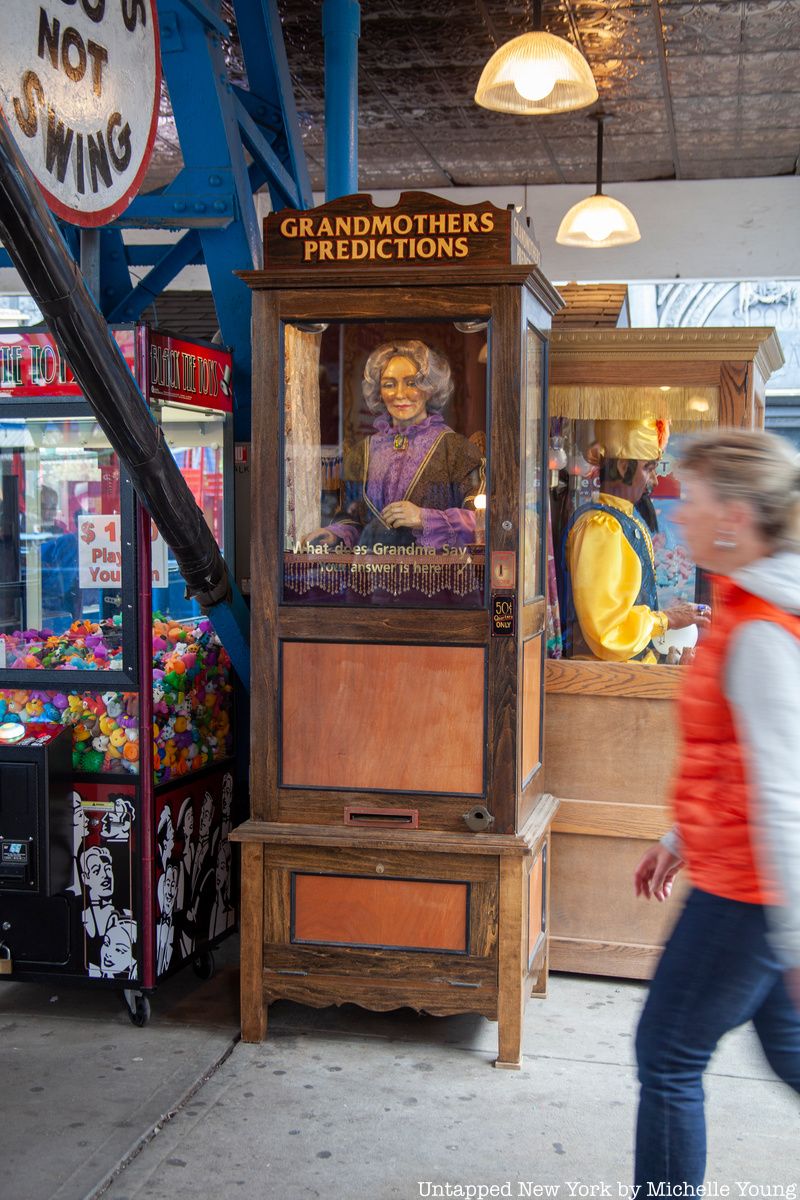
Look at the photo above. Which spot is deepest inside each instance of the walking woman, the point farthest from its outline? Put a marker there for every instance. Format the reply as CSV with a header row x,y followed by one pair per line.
x,y
735,953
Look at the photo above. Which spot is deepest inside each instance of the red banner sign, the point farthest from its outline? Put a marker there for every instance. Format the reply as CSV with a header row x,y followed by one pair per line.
x,y
179,372
31,364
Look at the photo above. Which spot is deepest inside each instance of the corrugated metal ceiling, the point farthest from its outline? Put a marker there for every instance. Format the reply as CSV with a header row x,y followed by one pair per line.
x,y
700,90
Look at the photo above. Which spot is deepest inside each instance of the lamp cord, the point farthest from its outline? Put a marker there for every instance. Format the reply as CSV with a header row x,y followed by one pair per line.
x,y
599,117
537,16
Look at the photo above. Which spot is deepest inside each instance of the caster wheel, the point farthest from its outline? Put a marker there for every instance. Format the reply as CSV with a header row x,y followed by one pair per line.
x,y
203,965
138,1007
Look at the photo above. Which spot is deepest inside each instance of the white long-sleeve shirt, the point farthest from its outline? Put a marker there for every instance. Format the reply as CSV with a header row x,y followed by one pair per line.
x,y
762,686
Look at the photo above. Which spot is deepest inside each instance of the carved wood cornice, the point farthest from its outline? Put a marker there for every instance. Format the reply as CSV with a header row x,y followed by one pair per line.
x,y
755,344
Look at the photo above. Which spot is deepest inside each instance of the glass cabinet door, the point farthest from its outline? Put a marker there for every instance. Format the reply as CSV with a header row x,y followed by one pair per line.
x,y
532,473
385,477
62,552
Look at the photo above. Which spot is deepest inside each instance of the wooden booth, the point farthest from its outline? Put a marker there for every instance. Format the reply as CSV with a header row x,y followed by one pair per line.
x,y
398,849
609,730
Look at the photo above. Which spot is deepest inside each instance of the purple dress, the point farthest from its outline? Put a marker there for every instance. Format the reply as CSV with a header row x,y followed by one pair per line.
x,y
428,464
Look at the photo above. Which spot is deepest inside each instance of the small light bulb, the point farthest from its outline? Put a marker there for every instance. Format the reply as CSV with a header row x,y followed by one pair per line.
x,y
480,501
535,80
598,222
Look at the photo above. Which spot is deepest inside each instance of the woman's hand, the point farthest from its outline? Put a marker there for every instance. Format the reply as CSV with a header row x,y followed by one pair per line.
x,y
656,872
402,514
680,615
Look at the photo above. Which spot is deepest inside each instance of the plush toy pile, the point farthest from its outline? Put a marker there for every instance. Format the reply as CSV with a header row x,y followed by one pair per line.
x,y
85,646
191,697
105,726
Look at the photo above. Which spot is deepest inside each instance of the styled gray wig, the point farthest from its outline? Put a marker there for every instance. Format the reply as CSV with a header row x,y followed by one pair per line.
x,y
433,373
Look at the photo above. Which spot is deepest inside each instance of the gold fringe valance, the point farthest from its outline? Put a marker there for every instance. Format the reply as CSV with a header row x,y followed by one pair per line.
x,y
682,406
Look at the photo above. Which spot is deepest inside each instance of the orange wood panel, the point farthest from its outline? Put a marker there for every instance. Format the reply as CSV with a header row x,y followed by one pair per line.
x,y
411,914
535,903
396,718
531,705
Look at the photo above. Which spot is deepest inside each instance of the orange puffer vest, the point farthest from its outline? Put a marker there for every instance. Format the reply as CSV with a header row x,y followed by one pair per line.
x,y
713,789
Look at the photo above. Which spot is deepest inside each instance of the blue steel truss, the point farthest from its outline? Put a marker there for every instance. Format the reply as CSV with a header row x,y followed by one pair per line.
x,y
219,125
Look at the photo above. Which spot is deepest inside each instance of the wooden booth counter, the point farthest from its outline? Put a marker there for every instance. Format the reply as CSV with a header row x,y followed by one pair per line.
x,y
398,851
610,738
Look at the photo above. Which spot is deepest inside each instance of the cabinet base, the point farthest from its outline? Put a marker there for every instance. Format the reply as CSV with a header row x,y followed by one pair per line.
x,y
330,925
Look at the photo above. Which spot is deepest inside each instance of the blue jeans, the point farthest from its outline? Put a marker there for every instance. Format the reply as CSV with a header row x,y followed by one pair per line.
x,y
717,972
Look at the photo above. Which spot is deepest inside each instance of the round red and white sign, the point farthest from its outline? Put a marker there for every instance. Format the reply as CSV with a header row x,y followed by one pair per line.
x,y
80,82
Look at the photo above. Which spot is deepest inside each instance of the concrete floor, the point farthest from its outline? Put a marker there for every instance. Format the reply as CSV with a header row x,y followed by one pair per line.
x,y
344,1104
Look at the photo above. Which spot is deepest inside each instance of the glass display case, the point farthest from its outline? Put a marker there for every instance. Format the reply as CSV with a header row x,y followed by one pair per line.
x,y
623,402
97,637
399,614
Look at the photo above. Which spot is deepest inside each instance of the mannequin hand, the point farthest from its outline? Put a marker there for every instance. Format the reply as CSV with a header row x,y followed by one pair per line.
x,y
680,658
656,872
402,514
320,537
681,615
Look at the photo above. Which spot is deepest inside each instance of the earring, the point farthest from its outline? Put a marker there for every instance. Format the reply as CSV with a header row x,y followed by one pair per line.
x,y
725,541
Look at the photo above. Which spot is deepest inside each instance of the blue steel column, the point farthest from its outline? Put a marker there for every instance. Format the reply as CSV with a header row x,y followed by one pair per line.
x,y
341,28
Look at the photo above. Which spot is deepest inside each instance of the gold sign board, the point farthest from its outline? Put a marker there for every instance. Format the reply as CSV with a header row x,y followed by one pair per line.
x,y
420,230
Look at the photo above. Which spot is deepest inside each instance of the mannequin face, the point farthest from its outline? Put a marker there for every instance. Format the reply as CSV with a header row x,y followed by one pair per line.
x,y
404,401
643,480
646,476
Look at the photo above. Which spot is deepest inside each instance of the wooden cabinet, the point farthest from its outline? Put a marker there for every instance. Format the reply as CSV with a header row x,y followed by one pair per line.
x,y
397,853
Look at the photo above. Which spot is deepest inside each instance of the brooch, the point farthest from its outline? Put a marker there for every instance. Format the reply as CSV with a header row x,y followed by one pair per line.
x,y
400,441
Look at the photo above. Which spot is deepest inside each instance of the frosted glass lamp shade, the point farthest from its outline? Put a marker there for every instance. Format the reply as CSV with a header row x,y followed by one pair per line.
x,y
598,222
534,74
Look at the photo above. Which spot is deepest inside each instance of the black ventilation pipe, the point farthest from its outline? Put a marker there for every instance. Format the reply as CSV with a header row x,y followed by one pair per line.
x,y
38,251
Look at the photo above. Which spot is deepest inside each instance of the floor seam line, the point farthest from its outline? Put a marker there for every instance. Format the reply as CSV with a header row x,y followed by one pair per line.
x,y
150,1134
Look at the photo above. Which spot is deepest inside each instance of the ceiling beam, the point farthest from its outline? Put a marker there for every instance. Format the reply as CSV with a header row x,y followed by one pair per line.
x,y
661,46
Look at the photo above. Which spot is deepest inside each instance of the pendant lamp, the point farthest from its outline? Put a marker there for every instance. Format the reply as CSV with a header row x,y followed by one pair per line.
x,y
600,221
535,74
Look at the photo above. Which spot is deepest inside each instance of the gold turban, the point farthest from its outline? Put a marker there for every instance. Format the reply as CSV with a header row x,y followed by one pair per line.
x,y
645,439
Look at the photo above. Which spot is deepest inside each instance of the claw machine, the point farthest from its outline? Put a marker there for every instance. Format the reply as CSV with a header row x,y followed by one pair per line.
x,y
398,848
116,720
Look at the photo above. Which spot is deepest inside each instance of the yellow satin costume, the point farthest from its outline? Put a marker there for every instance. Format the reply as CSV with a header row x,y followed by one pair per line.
x,y
606,578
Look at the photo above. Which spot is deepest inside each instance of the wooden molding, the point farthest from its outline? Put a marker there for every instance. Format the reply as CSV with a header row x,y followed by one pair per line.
x,y
581,677
333,836
602,818
381,995
399,276
753,344
583,956
429,625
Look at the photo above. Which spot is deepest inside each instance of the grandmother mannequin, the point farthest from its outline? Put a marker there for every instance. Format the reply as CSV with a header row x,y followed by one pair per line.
x,y
414,480
734,955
